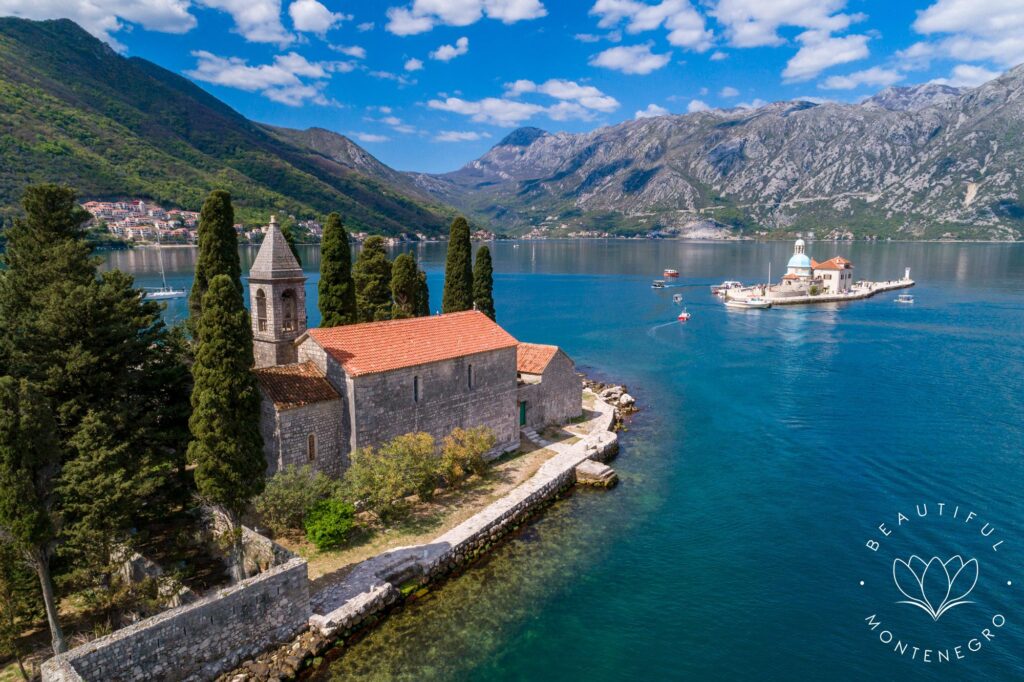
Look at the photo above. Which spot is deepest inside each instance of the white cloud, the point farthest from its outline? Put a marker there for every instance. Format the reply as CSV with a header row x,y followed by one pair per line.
x,y
697,105
365,26
102,18
684,23
353,51
413,64
499,111
875,76
974,30
370,137
290,79
259,21
755,104
587,38
651,111
728,91
423,15
311,16
967,76
459,136
819,51
393,122
446,53
755,23
718,56
396,77
587,96
635,59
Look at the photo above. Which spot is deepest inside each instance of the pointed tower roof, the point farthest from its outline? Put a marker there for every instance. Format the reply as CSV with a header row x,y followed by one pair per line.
x,y
275,259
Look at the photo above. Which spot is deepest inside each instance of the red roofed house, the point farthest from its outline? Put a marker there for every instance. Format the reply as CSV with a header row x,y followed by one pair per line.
x,y
834,276
329,391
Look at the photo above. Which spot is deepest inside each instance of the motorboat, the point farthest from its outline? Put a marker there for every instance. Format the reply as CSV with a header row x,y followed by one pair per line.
x,y
905,298
677,298
684,316
658,284
669,272
755,303
725,286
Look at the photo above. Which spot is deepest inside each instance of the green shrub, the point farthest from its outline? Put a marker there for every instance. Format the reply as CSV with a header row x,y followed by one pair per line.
x,y
329,522
462,453
290,495
382,478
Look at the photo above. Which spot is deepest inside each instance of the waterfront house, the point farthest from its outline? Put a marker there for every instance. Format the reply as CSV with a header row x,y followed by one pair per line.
x,y
834,276
328,391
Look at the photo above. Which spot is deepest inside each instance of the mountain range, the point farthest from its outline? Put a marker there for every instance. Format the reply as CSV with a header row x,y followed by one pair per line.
x,y
926,161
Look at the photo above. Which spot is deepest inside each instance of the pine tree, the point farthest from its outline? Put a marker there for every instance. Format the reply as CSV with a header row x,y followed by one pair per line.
x,y
20,603
337,290
372,276
422,295
227,447
405,287
483,282
458,272
218,248
29,466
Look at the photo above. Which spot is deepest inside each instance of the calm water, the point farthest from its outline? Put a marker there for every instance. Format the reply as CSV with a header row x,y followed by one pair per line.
x,y
771,446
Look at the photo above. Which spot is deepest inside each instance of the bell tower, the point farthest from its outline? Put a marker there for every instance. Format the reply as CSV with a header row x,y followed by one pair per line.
x,y
277,297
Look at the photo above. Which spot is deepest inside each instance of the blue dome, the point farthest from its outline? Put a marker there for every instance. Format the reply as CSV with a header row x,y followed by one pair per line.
x,y
799,260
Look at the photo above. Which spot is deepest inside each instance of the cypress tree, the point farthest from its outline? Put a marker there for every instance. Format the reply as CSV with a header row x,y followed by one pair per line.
x,y
405,287
218,248
458,271
483,282
422,295
372,277
226,446
29,466
337,290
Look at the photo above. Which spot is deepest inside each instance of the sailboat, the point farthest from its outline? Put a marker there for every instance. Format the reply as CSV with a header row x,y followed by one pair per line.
x,y
164,292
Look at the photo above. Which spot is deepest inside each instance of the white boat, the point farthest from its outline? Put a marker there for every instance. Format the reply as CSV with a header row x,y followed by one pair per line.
x,y
669,272
905,298
684,316
677,298
164,292
755,303
725,286
658,284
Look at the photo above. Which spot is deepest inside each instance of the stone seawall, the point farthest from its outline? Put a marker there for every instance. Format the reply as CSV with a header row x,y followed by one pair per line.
x,y
200,640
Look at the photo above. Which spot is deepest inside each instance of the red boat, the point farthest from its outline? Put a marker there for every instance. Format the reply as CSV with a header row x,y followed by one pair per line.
x,y
669,272
684,316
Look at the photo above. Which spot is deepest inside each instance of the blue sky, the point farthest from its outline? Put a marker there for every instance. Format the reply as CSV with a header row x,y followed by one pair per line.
x,y
431,84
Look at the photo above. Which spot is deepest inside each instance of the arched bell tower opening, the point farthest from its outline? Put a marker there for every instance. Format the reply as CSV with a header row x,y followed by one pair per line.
x,y
277,291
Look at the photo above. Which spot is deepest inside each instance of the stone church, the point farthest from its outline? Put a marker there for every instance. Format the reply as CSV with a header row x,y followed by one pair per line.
x,y
329,391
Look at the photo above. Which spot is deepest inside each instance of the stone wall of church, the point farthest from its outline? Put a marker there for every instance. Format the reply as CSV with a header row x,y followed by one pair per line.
x,y
557,397
386,404
323,421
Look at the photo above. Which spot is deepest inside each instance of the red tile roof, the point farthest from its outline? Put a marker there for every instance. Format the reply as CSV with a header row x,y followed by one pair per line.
x,y
290,386
836,263
533,358
375,347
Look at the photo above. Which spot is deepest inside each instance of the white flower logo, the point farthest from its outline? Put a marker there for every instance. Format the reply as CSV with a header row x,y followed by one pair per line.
x,y
935,586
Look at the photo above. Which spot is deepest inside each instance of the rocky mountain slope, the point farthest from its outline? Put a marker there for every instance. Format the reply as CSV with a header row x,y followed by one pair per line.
x,y
929,161
73,111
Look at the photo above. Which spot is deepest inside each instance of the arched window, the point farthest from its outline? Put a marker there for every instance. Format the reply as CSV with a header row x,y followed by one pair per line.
x,y
288,311
261,310
469,377
416,389
311,447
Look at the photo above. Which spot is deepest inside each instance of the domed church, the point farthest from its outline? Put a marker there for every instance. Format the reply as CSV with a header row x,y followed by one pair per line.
x,y
834,276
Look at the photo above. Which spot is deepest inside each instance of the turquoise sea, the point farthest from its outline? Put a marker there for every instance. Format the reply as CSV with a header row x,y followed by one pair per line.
x,y
770,448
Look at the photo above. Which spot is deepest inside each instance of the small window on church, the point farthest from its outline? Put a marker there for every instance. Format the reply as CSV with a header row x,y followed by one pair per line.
x,y
469,376
288,311
261,310
416,389
311,447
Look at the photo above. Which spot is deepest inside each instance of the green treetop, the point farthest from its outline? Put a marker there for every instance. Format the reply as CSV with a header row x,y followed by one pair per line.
x,y
483,282
218,248
405,287
372,276
458,271
337,290
226,446
29,466
422,295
